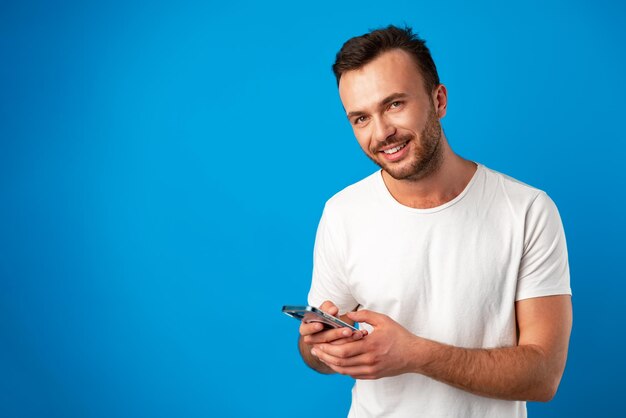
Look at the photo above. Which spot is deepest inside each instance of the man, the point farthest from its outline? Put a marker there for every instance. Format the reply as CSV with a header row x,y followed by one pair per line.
x,y
457,274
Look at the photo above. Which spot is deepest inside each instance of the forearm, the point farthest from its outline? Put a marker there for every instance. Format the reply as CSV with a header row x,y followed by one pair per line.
x,y
530,371
516,373
312,361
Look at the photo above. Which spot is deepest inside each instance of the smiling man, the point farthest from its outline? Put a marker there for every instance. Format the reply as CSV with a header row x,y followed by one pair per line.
x,y
458,274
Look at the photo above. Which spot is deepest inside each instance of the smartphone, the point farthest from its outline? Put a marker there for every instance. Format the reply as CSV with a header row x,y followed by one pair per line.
x,y
308,314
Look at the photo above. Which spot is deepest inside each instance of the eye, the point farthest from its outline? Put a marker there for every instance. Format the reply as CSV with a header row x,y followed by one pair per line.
x,y
359,120
395,105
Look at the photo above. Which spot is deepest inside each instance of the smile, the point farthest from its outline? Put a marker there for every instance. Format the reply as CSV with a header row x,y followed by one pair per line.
x,y
395,149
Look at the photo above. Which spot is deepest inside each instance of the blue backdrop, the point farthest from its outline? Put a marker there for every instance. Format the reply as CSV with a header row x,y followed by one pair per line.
x,y
163,166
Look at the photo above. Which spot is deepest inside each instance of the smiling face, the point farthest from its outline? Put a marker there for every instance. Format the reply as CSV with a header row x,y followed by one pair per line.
x,y
394,118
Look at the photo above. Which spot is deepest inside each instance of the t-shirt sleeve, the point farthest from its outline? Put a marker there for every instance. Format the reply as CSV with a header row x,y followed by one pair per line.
x,y
544,269
329,279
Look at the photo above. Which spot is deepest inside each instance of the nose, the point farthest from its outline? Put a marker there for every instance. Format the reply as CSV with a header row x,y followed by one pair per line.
x,y
383,129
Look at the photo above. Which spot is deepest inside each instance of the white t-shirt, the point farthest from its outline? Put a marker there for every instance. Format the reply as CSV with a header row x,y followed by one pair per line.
x,y
450,273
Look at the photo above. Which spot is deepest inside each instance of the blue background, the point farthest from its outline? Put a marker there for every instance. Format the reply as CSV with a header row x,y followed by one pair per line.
x,y
163,167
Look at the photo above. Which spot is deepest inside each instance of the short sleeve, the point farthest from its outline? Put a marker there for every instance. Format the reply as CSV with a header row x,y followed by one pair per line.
x,y
329,279
544,268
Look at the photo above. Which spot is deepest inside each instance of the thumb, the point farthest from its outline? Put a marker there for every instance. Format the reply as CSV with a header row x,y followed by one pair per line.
x,y
330,308
369,317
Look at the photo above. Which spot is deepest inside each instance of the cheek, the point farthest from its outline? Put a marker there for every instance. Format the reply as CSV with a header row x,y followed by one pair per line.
x,y
363,139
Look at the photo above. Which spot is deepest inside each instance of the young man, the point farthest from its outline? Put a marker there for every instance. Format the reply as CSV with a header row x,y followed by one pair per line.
x,y
457,273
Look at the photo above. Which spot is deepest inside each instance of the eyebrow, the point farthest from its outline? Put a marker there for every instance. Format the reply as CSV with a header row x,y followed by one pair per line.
x,y
387,100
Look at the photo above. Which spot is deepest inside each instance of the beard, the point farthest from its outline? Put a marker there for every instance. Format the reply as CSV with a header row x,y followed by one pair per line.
x,y
425,158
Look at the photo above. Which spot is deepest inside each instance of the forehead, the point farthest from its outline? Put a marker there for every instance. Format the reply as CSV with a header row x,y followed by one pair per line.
x,y
391,72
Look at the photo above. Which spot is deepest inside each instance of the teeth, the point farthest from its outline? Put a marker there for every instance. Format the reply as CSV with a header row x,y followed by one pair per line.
x,y
395,149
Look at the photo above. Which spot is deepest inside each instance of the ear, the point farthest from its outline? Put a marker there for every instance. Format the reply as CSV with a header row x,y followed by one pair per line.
x,y
440,100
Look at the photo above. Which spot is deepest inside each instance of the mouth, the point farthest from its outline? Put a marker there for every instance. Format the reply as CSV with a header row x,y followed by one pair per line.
x,y
397,148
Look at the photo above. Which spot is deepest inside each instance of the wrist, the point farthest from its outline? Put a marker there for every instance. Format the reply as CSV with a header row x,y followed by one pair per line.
x,y
421,354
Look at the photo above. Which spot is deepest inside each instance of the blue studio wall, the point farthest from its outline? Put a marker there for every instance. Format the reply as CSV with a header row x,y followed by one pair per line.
x,y
163,166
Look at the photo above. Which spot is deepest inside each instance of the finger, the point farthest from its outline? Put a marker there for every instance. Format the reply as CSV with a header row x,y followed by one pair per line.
x,y
362,372
356,372
342,341
329,308
310,328
354,337
369,317
347,365
328,336
346,337
343,351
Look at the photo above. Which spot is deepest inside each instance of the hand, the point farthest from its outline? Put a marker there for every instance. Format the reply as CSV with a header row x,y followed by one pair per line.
x,y
388,350
315,333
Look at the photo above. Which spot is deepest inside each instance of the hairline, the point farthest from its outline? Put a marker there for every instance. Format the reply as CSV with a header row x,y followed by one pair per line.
x,y
425,82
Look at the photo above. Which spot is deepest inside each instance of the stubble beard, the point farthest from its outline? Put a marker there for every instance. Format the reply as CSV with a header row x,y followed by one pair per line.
x,y
427,155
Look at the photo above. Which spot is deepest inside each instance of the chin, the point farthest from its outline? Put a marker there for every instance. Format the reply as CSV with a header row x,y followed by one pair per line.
x,y
409,170
399,172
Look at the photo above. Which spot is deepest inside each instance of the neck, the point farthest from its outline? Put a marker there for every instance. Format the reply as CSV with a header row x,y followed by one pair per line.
x,y
440,186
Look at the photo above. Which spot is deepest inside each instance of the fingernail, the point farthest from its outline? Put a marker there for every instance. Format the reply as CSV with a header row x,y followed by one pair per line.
x,y
347,332
313,352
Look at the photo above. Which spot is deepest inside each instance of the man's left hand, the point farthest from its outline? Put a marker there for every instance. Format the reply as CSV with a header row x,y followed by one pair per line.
x,y
387,351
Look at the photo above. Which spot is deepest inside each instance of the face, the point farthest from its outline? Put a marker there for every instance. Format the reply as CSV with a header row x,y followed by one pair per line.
x,y
393,117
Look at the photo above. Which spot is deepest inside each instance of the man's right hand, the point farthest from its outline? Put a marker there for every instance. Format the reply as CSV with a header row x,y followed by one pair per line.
x,y
315,333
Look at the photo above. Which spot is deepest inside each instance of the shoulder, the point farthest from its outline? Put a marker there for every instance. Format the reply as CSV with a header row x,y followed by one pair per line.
x,y
357,196
515,193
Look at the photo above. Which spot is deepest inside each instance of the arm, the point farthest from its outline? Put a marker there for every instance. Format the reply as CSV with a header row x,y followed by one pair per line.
x,y
531,370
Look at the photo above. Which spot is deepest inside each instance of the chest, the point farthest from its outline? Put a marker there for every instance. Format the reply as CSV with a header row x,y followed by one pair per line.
x,y
431,275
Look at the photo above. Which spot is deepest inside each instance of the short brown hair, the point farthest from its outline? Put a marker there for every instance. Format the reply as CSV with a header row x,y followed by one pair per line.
x,y
361,50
